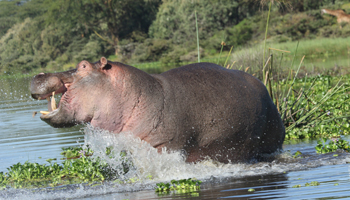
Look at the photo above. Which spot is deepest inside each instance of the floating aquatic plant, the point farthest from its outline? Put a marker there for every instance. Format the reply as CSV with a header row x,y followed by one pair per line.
x,y
332,146
312,183
180,186
251,190
298,154
317,108
78,167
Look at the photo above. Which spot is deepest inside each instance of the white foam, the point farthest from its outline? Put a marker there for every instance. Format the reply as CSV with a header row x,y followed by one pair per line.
x,y
171,165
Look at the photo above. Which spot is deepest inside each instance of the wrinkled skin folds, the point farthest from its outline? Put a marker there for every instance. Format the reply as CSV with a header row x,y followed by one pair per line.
x,y
201,109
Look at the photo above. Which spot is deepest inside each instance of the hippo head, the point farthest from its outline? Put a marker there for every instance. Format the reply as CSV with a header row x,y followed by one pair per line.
x,y
82,92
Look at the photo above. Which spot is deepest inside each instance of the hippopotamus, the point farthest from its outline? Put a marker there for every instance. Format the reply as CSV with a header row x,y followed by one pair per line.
x,y
201,109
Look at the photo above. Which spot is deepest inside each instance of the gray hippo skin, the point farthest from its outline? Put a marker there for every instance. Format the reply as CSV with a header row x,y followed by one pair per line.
x,y
202,108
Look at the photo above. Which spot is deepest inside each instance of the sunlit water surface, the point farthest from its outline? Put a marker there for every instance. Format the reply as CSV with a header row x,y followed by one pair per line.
x,y
26,138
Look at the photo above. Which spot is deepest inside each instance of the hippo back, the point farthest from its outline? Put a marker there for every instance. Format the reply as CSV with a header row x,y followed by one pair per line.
x,y
221,112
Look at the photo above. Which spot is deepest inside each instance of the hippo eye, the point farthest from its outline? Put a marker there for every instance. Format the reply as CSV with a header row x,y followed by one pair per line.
x,y
84,66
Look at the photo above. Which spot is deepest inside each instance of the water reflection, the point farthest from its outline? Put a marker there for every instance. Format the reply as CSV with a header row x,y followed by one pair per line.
x,y
238,187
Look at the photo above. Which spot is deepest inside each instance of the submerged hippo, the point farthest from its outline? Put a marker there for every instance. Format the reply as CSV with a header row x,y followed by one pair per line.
x,y
203,109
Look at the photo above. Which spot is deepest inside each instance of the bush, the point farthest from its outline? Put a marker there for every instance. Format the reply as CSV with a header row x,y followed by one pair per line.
x,y
92,51
239,34
173,57
151,50
334,31
176,19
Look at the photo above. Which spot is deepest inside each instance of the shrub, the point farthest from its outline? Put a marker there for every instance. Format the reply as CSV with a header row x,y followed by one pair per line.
x,y
176,20
239,34
173,57
151,50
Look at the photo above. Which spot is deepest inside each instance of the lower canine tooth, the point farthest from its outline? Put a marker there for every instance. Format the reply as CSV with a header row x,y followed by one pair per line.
x,y
44,112
53,102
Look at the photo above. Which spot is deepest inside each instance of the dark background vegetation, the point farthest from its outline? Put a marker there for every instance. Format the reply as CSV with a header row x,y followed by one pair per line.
x,y
55,35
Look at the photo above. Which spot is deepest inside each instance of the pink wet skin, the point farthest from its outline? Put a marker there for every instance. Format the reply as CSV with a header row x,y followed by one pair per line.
x,y
202,109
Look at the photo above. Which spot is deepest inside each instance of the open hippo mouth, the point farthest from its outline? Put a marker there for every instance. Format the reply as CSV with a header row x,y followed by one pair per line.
x,y
47,86
52,104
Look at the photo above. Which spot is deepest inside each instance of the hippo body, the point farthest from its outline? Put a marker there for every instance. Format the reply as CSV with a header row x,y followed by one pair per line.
x,y
203,109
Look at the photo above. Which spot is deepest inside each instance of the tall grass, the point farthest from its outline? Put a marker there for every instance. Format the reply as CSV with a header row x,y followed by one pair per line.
x,y
199,57
267,27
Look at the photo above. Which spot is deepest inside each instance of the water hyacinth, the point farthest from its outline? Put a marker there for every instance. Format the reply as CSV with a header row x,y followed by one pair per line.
x,y
316,107
180,186
333,145
78,167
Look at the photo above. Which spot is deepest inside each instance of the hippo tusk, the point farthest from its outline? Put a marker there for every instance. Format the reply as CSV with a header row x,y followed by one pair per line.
x,y
44,112
53,102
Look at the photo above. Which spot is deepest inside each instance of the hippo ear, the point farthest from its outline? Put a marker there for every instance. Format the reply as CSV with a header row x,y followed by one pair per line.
x,y
103,62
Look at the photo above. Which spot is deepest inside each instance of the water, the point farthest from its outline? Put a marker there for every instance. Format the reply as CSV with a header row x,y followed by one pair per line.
x,y
23,138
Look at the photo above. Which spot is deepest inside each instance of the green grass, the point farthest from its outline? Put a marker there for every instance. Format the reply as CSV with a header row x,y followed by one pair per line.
x,y
321,55
323,47
317,48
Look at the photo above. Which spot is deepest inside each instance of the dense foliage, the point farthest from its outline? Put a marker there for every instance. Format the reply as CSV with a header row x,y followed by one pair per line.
x,y
47,35
63,32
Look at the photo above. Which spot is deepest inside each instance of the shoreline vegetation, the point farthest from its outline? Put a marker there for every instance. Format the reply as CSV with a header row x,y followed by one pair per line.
x,y
47,36
317,52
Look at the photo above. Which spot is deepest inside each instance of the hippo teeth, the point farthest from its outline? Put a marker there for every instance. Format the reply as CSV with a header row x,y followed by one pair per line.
x,y
52,102
44,112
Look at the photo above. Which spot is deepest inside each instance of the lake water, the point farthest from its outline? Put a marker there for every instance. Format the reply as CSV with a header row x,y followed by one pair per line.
x,y
27,138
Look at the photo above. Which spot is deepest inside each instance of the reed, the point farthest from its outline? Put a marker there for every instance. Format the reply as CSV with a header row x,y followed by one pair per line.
x,y
199,57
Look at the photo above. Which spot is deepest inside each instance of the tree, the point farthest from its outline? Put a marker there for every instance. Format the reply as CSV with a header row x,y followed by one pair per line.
x,y
8,10
112,20
12,12
176,20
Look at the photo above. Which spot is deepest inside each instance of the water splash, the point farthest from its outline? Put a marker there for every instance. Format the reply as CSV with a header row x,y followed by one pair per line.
x,y
171,165
146,162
